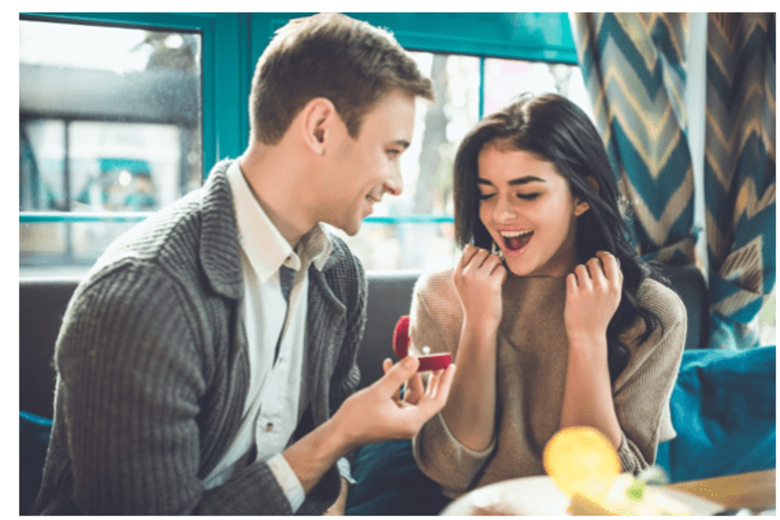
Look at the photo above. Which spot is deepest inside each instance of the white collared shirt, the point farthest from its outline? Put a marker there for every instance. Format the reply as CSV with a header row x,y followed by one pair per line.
x,y
278,391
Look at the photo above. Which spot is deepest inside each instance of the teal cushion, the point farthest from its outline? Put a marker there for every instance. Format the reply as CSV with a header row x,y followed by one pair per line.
x,y
34,433
388,482
723,409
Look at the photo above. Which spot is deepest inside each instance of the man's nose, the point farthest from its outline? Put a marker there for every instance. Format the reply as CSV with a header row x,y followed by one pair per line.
x,y
394,185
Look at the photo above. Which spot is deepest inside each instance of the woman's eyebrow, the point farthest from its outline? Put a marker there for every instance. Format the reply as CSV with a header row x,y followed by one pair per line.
x,y
513,182
525,180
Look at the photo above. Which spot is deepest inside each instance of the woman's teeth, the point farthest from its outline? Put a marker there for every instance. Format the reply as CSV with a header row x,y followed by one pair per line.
x,y
515,240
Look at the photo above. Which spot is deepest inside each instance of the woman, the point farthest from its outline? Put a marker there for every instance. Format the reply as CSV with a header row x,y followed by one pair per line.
x,y
561,325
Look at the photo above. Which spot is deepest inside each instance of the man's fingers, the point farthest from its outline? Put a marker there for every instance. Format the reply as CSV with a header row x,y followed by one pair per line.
x,y
398,374
439,388
414,389
387,364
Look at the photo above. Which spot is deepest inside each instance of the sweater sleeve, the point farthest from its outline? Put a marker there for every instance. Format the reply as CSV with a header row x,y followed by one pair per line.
x,y
643,390
438,454
131,362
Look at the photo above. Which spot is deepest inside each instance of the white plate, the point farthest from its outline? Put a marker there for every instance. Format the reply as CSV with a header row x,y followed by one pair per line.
x,y
540,496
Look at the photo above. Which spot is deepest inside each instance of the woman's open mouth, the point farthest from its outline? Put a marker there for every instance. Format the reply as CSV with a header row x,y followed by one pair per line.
x,y
516,240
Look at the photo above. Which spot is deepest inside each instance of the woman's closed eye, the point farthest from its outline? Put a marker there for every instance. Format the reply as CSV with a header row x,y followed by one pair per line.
x,y
527,196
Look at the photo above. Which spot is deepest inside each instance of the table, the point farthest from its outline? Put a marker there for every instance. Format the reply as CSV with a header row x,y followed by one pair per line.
x,y
756,490
539,496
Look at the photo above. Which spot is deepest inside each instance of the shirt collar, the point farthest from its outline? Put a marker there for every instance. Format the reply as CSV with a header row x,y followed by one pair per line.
x,y
262,242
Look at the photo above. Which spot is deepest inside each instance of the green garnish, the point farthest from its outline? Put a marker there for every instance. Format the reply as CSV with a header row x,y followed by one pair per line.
x,y
636,490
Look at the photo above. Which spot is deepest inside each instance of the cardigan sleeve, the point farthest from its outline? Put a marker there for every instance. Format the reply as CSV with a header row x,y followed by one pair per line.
x,y
438,454
642,392
131,360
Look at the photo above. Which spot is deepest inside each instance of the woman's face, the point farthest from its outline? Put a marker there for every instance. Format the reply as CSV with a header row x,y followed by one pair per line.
x,y
528,209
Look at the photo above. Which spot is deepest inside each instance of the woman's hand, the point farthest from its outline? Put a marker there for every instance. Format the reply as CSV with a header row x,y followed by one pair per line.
x,y
478,278
592,296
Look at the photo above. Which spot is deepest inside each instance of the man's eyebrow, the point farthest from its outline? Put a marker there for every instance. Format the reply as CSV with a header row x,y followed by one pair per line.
x,y
513,182
403,143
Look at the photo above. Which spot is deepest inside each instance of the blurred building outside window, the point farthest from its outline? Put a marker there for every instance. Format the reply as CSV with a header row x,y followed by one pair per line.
x,y
109,125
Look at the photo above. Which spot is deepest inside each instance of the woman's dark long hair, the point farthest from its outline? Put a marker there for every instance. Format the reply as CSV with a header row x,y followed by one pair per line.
x,y
556,130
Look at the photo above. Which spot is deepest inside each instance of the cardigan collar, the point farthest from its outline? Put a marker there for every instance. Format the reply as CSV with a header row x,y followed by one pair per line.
x,y
219,245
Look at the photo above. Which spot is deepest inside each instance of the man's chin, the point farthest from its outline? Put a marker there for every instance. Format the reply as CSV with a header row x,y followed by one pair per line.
x,y
349,228
353,228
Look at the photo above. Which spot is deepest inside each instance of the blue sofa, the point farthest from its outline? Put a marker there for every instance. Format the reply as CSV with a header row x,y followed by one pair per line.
x,y
723,405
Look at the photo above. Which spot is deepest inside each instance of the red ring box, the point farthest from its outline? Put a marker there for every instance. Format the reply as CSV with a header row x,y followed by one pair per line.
x,y
401,348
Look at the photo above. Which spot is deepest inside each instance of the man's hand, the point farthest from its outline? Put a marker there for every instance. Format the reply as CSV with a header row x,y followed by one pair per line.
x,y
368,416
414,386
377,414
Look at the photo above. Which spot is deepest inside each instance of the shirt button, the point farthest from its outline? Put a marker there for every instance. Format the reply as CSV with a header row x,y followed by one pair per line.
x,y
269,427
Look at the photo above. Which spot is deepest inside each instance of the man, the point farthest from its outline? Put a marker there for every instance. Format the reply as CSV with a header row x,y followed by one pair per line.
x,y
208,362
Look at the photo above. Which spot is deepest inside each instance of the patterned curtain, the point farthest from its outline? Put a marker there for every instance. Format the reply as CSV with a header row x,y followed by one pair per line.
x,y
740,173
634,68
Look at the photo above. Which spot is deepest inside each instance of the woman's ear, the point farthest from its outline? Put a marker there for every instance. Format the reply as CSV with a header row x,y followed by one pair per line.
x,y
581,206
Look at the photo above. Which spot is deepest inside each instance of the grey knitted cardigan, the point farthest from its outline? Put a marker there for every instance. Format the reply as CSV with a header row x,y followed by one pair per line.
x,y
153,373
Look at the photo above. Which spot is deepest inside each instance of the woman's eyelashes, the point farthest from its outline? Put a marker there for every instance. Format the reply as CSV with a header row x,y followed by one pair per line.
x,y
524,196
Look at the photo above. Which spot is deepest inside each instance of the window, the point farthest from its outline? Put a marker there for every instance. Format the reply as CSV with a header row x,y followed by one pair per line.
x,y
109,128
120,115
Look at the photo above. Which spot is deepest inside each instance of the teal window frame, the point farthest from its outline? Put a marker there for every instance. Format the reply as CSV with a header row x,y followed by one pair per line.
x,y
233,42
226,73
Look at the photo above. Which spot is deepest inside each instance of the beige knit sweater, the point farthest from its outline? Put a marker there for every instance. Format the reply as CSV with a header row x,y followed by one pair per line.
x,y
531,370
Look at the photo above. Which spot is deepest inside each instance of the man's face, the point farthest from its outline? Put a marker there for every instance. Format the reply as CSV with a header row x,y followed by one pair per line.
x,y
366,168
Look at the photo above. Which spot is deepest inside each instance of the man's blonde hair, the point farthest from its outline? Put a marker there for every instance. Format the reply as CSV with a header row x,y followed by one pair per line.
x,y
347,61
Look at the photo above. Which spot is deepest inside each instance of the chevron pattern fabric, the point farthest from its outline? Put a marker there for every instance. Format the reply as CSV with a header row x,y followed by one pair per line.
x,y
634,69
740,170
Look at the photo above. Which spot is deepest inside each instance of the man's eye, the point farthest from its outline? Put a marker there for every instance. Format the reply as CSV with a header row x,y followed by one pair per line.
x,y
394,153
527,196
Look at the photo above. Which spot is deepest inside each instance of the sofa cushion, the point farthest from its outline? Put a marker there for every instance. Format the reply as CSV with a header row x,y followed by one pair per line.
x,y
723,408
34,433
388,482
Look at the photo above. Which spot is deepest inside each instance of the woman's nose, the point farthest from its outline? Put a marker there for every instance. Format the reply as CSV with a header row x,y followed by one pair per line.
x,y
504,210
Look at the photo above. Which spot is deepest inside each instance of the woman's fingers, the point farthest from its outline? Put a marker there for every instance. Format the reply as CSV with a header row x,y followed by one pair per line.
x,y
583,277
611,267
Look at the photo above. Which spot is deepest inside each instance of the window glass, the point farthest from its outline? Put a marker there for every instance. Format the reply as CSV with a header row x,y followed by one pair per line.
x,y
427,172
109,121
507,79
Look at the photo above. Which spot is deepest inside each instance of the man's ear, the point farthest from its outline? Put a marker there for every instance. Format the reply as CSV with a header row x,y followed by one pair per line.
x,y
317,119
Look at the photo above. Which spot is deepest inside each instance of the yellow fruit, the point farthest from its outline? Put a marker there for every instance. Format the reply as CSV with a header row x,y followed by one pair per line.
x,y
581,460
